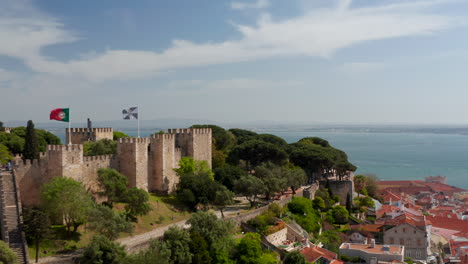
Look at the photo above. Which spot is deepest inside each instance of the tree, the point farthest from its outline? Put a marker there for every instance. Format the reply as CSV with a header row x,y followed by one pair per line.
x,y
113,184
7,256
36,225
199,248
223,198
197,188
249,186
177,240
117,135
366,183
100,147
137,203
5,155
274,178
296,177
294,257
228,174
340,214
316,156
242,135
13,142
272,139
249,248
44,137
255,152
102,250
67,199
189,166
210,227
108,223
156,253
31,146
318,204
2,128
249,251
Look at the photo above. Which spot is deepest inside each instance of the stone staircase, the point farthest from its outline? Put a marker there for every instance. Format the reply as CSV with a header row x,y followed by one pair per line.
x,y
11,219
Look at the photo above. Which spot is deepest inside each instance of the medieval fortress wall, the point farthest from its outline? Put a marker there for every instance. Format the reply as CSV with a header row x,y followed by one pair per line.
x,y
147,162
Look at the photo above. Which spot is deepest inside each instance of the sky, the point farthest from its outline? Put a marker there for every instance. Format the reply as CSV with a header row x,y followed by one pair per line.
x,y
294,61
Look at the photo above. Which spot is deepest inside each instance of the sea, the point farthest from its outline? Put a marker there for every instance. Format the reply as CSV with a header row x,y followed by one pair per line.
x,y
389,156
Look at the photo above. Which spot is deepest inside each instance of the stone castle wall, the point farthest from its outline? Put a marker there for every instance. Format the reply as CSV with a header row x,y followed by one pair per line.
x,y
81,135
147,162
341,188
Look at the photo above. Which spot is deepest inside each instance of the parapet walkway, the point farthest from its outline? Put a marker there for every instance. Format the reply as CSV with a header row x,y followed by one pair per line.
x,y
10,217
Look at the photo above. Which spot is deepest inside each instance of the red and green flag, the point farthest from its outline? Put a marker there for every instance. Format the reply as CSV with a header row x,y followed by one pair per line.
x,y
60,114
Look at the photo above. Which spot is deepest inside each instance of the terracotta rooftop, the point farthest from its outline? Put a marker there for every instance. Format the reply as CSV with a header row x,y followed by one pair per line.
x,y
408,219
375,228
390,196
449,223
378,249
313,254
337,261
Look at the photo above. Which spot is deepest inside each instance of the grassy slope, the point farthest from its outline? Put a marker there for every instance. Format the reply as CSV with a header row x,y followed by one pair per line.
x,y
166,210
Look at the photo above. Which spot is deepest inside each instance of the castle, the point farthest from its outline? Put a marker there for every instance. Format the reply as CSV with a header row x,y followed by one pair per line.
x,y
147,162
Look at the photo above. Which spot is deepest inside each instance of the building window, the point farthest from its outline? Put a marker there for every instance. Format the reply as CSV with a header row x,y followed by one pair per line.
x,y
402,241
415,231
419,242
396,231
404,230
392,241
418,254
408,242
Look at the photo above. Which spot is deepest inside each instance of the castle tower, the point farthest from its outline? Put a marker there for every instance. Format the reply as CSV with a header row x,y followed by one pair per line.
x,y
132,156
163,158
65,161
194,142
81,135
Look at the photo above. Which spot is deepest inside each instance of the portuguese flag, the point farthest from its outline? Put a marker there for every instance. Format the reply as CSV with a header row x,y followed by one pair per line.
x,y
60,114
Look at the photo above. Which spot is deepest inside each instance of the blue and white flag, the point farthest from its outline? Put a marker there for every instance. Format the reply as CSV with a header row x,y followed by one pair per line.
x,y
131,113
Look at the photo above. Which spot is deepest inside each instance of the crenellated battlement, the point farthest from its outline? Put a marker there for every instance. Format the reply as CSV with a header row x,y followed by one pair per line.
x,y
26,163
100,157
42,155
133,140
162,137
95,129
74,147
189,131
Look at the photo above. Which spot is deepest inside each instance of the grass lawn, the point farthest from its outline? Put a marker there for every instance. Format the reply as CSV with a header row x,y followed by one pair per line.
x,y
165,210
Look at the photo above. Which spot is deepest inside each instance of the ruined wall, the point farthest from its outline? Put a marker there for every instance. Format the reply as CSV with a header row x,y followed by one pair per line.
x,y
132,156
341,188
80,135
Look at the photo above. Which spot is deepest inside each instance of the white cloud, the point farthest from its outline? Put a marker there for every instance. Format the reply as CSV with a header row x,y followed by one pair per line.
x,y
258,4
320,32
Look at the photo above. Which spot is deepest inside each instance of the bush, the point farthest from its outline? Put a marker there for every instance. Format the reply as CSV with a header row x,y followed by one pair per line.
x,y
103,250
7,256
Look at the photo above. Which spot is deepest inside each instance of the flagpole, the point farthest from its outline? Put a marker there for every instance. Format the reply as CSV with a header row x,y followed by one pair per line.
x,y
69,126
138,120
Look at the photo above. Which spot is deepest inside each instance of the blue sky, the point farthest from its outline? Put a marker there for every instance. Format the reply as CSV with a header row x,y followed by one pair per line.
x,y
303,61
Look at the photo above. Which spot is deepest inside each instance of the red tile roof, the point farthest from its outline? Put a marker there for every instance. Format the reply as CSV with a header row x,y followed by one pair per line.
x,y
449,223
406,218
374,228
314,253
